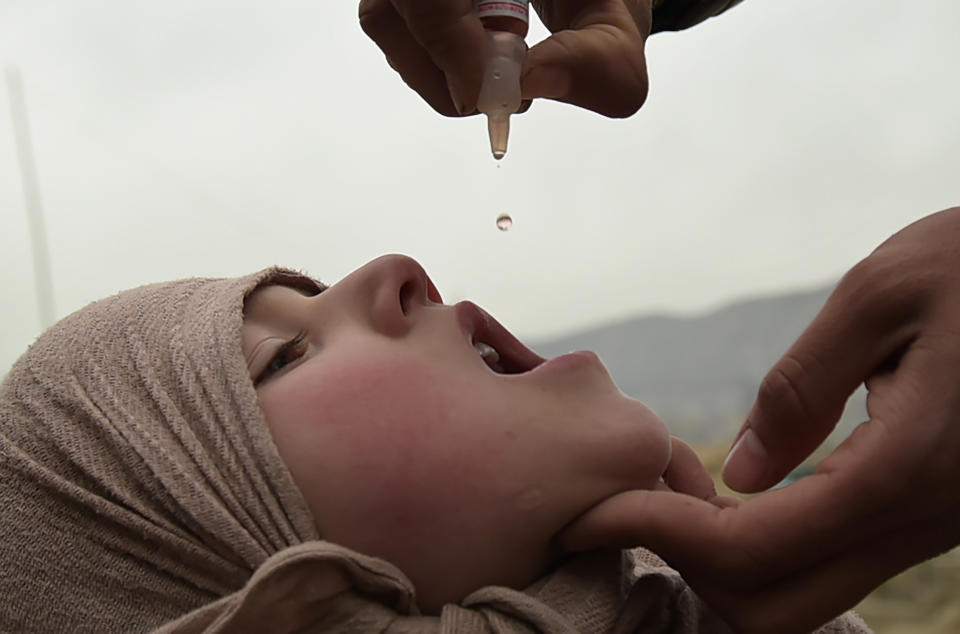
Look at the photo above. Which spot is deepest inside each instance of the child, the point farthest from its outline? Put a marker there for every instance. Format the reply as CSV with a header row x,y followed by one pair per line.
x,y
263,454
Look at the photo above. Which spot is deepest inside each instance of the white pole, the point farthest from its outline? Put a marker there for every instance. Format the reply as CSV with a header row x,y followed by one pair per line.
x,y
31,193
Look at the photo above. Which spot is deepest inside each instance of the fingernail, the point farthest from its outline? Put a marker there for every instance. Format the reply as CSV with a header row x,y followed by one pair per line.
x,y
546,81
455,96
746,463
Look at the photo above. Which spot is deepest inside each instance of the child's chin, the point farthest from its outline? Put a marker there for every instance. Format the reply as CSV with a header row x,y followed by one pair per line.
x,y
637,448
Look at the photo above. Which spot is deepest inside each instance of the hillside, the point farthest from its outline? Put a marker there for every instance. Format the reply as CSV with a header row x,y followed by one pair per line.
x,y
701,373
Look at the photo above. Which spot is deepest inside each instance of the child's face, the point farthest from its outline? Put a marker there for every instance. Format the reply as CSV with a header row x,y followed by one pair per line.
x,y
408,446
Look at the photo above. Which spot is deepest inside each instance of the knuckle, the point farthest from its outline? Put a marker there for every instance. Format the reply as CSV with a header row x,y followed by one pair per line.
x,y
374,10
865,278
375,17
892,284
780,391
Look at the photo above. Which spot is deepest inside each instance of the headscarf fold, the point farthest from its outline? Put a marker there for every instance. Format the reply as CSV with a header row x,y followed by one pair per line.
x,y
140,489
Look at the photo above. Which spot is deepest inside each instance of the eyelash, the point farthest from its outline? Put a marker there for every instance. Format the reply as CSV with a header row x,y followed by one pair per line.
x,y
286,354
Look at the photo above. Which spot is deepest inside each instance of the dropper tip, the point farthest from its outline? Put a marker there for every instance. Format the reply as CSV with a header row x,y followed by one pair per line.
x,y
499,126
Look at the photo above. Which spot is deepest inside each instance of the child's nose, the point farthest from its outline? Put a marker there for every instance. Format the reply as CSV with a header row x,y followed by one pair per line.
x,y
397,287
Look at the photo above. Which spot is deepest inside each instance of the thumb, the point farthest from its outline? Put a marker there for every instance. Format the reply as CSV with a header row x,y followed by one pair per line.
x,y
595,60
859,329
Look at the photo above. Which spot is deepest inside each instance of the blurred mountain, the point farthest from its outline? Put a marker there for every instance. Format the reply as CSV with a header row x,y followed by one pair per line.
x,y
701,374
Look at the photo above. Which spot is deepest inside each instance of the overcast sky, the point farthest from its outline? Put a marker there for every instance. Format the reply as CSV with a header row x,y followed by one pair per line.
x,y
780,143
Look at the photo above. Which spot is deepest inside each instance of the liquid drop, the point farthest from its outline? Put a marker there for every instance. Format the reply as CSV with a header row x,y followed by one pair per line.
x,y
504,222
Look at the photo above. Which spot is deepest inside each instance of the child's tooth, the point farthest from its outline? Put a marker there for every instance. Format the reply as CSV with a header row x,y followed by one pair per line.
x,y
486,351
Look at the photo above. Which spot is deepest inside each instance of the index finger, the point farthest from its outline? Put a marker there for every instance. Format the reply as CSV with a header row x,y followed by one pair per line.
x,y
452,35
865,321
761,538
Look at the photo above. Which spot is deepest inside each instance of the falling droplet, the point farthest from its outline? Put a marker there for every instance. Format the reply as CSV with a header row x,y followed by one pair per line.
x,y
504,222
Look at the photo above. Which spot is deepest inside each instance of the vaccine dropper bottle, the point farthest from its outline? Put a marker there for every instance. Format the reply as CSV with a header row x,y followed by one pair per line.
x,y
505,24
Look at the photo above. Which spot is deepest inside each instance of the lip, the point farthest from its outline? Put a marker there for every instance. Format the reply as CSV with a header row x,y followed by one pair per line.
x,y
477,325
569,361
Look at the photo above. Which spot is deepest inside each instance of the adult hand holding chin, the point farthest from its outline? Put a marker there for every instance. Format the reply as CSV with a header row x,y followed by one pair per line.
x,y
887,498
594,58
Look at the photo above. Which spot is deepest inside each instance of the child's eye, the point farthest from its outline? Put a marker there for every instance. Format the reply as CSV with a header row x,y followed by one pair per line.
x,y
285,355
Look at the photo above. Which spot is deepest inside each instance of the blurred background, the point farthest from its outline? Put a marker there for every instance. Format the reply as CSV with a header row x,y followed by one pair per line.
x,y
780,143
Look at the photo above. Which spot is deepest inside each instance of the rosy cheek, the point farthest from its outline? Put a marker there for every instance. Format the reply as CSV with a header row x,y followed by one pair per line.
x,y
377,440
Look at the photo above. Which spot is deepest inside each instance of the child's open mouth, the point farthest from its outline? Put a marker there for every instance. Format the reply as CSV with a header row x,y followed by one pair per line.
x,y
501,351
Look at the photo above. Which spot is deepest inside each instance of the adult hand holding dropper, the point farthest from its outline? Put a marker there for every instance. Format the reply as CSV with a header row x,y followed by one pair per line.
x,y
593,59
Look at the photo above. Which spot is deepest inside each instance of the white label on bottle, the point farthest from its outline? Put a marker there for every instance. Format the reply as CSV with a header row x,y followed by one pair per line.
x,y
510,8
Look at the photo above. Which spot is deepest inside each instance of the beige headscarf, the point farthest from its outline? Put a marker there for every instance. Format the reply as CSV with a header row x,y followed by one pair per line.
x,y
140,489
